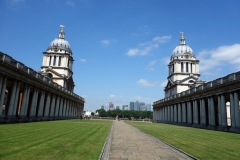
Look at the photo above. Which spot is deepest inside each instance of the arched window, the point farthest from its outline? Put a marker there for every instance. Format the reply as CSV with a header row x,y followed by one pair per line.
x,y
182,66
50,60
187,67
59,61
191,67
173,68
54,61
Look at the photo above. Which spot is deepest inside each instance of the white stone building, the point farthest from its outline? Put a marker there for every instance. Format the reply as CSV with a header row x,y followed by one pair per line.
x,y
183,70
58,62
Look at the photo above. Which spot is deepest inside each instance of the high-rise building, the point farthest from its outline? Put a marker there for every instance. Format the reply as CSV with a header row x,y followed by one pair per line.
x,y
136,106
142,106
102,107
131,106
148,107
124,107
110,106
117,107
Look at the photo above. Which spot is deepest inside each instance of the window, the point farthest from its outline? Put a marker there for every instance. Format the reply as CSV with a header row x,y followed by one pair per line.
x,y
50,60
59,61
68,63
173,68
191,67
54,61
187,67
181,66
50,75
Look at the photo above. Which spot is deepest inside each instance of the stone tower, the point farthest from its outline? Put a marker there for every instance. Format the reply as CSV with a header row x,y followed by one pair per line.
x,y
58,62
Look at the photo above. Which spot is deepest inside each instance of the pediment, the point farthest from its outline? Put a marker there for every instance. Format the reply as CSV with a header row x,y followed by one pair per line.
x,y
188,80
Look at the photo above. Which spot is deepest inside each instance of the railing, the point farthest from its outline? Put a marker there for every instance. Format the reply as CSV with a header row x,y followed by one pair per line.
x,y
21,67
220,81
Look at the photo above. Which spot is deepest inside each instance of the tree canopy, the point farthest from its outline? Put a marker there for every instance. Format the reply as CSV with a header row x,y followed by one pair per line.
x,y
125,113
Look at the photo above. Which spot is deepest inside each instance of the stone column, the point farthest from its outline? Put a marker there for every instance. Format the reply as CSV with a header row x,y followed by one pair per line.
x,y
61,107
179,113
195,112
64,108
224,112
57,106
211,111
34,103
236,106
41,104
202,112
52,105
14,99
232,110
189,112
47,105
169,114
172,114
3,84
219,111
175,113
184,118
25,100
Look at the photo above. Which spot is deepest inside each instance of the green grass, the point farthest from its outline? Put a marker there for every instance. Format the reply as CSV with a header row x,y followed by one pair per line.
x,y
66,139
203,144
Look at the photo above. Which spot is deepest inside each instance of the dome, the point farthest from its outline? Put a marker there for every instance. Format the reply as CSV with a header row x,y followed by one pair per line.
x,y
60,42
182,48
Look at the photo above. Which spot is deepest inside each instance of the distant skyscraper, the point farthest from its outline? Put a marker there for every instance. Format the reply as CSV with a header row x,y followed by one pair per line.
x,y
102,107
124,107
142,106
136,106
110,106
131,106
117,107
148,107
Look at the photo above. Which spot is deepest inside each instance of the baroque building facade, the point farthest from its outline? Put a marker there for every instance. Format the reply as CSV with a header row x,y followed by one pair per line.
x,y
27,95
183,69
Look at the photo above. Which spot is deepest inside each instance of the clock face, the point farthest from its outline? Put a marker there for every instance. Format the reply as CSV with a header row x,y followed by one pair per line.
x,y
187,56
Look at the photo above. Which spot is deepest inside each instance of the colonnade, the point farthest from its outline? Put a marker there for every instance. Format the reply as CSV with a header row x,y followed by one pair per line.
x,y
208,111
22,102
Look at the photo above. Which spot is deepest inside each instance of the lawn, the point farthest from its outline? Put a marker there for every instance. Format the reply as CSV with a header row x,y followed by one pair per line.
x,y
66,139
203,144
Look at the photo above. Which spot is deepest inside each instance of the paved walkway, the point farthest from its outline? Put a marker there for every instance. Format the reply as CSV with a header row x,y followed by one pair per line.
x,y
128,143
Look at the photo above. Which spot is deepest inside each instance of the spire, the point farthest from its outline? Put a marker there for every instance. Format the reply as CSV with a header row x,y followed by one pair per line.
x,y
182,39
61,33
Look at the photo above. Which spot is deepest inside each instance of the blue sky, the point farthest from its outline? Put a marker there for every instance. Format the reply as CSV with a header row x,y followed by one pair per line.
x,y
121,48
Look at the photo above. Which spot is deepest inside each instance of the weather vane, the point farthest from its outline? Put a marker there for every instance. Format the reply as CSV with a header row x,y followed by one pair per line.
x,y
62,26
182,33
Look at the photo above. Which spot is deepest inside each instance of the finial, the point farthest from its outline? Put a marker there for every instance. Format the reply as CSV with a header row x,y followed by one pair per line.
x,y
182,39
61,34
182,33
62,26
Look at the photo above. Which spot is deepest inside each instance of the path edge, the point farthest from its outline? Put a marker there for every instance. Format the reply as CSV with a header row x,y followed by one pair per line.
x,y
106,147
185,154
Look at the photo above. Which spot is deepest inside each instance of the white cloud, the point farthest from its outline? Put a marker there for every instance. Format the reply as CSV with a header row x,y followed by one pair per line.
x,y
145,48
70,3
217,58
164,83
150,65
83,60
162,39
106,42
165,60
114,96
143,82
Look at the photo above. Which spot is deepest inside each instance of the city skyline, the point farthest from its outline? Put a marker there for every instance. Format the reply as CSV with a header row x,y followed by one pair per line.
x,y
121,49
